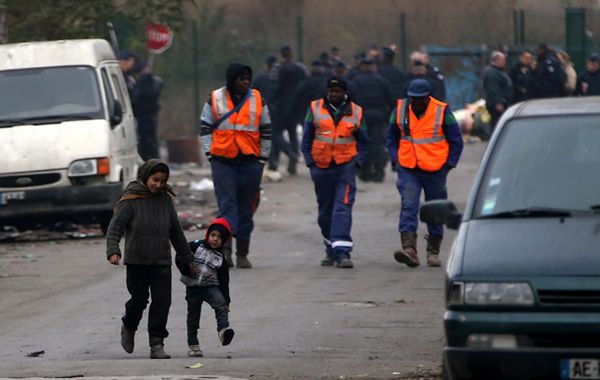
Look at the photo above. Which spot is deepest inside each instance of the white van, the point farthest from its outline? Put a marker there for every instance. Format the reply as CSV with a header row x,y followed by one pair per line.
x,y
68,141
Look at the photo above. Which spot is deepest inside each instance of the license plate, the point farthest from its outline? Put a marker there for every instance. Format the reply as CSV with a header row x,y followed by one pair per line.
x,y
580,368
11,196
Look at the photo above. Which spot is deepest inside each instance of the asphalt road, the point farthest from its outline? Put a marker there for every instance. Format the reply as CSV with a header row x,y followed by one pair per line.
x,y
293,318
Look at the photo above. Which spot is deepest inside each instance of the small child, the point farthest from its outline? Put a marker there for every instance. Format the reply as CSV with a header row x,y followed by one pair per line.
x,y
210,285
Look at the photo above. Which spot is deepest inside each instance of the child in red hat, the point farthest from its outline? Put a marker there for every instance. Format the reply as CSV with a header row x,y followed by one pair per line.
x,y
210,285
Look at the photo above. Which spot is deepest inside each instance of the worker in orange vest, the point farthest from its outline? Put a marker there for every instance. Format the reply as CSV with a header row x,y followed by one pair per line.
x,y
334,144
425,143
235,128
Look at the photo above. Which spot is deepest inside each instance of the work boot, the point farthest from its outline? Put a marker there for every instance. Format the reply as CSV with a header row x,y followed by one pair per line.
x,y
408,254
127,339
433,250
157,349
345,263
227,254
243,246
327,261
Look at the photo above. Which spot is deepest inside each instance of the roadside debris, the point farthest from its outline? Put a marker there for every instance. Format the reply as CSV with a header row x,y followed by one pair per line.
x,y
204,184
36,354
56,231
194,366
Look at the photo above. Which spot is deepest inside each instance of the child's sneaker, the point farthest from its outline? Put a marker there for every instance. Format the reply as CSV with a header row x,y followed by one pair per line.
x,y
195,351
226,335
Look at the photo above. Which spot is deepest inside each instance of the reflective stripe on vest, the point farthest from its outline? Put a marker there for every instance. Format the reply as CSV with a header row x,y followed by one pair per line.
x,y
222,104
240,132
426,146
334,142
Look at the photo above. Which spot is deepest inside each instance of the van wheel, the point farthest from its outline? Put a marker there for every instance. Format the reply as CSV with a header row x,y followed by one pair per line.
x,y
104,221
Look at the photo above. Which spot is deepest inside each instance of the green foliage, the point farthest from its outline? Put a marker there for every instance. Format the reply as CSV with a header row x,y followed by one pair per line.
x,y
51,20
66,19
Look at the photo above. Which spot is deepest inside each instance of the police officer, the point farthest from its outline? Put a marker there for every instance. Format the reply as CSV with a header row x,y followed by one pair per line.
x,y
521,75
424,142
391,73
334,144
372,92
145,103
310,89
236,136
548,76
290,74
436,79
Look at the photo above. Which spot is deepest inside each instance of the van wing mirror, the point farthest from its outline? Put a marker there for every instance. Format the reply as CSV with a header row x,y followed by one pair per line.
x,y
116,114
441,211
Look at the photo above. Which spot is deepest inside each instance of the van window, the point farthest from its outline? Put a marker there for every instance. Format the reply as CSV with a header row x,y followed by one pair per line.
x,y
119,84
51,92
110,96
543,162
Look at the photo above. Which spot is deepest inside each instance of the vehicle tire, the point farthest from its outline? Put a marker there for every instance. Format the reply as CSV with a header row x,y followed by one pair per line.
x,y
104,220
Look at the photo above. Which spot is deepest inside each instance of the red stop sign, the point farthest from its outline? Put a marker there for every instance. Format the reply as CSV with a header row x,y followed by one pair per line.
x,y
159,38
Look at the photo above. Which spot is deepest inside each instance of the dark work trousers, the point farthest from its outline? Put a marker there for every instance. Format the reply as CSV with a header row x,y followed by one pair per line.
x,y
373,168
143,281
237,187
410,183
335,188
195,296
278,141
494,115
148,144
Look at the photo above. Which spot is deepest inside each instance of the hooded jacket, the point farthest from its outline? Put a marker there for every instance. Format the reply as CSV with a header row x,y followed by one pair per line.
x,y
210,263
208,120
149,223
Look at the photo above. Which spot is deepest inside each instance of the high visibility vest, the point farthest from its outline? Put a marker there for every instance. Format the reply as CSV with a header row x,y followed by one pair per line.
x,y
425,146
240,132
334,142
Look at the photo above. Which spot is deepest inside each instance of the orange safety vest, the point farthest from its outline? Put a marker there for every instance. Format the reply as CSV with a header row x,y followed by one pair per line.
x,y
240,132
425,146
334,142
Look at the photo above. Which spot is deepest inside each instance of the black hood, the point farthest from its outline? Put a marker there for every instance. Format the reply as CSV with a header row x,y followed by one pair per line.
x,y
233,71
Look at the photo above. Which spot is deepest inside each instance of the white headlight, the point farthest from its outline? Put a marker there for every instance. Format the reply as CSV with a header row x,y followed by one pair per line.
x,y
498,293
83,168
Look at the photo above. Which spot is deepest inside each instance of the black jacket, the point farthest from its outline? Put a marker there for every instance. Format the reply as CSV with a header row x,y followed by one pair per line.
x,y
312,88
588,84
146,94
549,78
372,92
497,86
521,76
395,78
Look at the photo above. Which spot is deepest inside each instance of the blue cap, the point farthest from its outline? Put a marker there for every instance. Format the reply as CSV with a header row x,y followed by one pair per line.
x,y
418,88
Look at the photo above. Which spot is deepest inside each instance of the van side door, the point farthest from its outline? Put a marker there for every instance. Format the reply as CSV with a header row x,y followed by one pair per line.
x,y
124,134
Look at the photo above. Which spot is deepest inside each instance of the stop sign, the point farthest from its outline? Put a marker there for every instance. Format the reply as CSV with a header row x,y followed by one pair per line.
x,y
159,38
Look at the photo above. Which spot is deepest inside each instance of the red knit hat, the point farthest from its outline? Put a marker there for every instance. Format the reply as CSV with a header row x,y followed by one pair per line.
x,y
221,225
